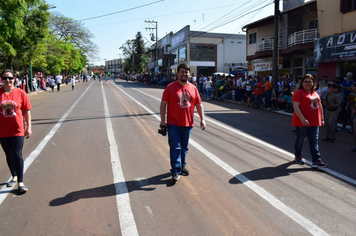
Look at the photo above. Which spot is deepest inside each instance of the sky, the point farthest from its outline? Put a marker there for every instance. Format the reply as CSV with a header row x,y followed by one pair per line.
x,y
125,18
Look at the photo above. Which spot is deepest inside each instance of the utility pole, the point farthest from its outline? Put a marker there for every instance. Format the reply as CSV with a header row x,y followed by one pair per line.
x,y
275,46
156,28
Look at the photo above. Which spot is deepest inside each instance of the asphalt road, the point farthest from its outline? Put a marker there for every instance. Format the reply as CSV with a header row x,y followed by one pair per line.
x,y
95,165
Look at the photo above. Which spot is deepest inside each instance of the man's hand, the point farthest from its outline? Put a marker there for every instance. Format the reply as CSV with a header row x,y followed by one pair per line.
x,y
202,124
28,133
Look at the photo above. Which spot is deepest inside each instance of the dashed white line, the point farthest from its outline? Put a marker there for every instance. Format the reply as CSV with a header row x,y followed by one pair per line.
x,y
126,217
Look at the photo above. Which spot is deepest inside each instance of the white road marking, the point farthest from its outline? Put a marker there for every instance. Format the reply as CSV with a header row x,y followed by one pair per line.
x,y
148,209
295,216
4,191
268,145
127,220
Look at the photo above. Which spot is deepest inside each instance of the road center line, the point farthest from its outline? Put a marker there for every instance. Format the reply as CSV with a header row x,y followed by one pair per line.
x,y
268,145
4,191
126,217
295,216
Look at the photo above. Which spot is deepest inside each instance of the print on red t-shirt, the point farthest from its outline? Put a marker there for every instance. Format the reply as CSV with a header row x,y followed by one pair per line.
x,y
181,103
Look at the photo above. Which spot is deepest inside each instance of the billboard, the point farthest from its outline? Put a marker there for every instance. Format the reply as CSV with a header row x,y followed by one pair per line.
x,y
336,48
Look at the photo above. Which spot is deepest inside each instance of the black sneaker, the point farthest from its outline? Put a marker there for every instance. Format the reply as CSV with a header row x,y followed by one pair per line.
x,y
184,171
299,160
319,164
175,177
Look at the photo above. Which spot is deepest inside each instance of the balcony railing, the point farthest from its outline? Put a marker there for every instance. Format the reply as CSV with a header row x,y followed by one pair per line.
x,y
267,45
302,37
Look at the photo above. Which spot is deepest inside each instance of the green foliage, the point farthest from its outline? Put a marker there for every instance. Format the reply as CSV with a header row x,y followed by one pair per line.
x,y
26,35
134,53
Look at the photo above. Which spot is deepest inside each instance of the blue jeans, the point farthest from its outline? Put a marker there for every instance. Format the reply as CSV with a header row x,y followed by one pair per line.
x,y
268,95
208,92
313,134
12,147
178,139
257,99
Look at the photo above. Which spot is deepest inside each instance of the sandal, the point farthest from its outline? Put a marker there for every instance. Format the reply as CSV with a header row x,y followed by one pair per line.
x,y
23,189
11,183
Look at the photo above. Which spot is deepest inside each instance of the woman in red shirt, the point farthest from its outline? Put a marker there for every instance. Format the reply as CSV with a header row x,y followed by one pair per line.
x,y
14,109
307,118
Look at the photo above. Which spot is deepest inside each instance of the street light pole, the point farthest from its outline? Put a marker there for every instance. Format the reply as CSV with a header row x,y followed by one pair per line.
x,y
156,28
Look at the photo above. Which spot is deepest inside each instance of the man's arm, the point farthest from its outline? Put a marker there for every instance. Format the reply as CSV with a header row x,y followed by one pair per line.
x,y
200,111
162,111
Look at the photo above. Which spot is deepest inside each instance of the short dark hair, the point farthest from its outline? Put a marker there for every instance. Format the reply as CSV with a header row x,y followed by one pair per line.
x,y
183,66
6,71
331,84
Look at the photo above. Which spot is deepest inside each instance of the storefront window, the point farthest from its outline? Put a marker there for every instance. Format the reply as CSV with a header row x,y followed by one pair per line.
x,y
174,57
202,53
182,54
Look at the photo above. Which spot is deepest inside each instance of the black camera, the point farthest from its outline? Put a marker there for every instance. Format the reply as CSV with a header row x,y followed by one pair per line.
x,y
163,130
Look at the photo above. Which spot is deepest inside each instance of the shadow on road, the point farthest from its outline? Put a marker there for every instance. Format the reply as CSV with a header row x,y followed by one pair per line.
x,y
114,189
267,173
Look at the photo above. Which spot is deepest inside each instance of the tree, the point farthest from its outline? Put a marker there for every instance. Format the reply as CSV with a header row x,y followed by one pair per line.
x,y
74,31
19,20
134,54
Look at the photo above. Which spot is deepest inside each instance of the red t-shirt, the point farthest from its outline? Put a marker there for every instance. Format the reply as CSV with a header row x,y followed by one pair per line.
x,y
257,90
181,102
310,106
11,117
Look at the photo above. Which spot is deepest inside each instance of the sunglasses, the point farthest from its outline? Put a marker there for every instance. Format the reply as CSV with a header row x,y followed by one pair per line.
x,y
7,78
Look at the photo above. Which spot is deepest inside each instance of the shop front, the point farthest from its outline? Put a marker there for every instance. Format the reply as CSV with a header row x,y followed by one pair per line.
x,y
336,54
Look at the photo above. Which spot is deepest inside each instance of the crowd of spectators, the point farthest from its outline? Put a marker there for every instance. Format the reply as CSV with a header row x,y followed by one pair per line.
x,y
45,82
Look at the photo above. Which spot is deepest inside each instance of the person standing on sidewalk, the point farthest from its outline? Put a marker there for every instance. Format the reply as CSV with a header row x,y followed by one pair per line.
x,y
307,118
58,82
72,81
332,104
179,100
14,111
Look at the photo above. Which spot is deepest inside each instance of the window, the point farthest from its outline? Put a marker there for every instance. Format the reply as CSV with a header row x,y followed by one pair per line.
x,y
347,5
174,57
352,5
202,53
252,38
313,24
182,54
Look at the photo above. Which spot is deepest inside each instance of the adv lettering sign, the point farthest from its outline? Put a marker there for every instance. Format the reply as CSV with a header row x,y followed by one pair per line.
x,y
339,47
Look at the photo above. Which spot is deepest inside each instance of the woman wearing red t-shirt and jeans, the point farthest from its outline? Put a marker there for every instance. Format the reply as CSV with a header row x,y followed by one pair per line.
x,y
307,117
14,107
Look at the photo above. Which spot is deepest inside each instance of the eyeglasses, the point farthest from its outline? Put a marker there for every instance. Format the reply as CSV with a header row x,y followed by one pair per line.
x,y
7,78
308,82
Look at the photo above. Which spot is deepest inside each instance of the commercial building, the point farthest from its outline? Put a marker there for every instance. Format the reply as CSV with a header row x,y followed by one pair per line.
x,y
298,28
114,66
335,50
206,53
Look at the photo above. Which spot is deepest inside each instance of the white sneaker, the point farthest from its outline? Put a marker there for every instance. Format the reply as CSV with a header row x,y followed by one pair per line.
x,y
175,177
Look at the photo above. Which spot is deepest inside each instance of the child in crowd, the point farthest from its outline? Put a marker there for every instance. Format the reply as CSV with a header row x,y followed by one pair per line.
x,y
332,104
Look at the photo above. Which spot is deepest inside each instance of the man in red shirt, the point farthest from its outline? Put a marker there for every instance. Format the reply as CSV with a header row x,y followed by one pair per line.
x,y
179,99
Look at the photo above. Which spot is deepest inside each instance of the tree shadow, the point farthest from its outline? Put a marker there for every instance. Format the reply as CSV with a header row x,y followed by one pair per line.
x,y
114,189
267,173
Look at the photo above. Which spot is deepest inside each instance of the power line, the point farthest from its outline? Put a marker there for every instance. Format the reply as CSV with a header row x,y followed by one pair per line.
x,y
121,11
